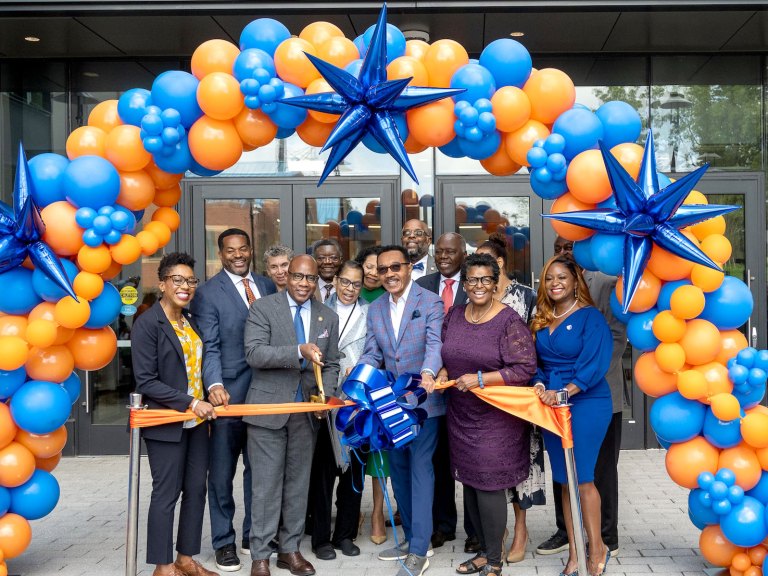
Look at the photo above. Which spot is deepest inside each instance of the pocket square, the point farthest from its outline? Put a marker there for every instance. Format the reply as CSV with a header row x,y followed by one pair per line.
x,y
416,314
324,334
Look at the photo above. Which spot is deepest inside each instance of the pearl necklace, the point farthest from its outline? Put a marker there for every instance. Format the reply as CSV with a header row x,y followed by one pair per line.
x,y
471,319
554,315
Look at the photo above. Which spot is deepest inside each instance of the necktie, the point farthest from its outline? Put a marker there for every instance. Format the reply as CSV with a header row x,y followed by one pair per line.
x,y
298,326
418,266
328,288
447,294
249,295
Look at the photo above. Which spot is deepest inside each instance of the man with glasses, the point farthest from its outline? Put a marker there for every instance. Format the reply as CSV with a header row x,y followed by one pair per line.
x,y
285,334
220,309
327,253
416,239
403,336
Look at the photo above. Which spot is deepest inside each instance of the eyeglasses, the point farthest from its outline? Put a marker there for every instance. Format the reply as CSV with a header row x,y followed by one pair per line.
x,y
484,280
394,267
298,277
567,247
417,233
178,280
346,282
327,258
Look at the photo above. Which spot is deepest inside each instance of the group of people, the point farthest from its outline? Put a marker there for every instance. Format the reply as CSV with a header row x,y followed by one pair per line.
x,y
246,338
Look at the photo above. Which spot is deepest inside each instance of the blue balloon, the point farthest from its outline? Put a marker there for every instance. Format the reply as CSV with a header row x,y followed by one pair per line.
x,y
476,80
750,399
178,162
196,168
581,129
265,34
745,524
665,294
582,254
19,296
608,253
402,128
760,491
46,288
362,48
354,218
621,123
285,133
132,105
37,497
91,181
178,90
40,407
519,241
700,515
747,356
354,67
483,149
72,386
85,217
640,332
762,360
105,308
508,61
10,381
46,171
677,419
5,500
395,41
730,305
721,434
609,202
250,60
549,190
286,116
452,149
663,443
617,310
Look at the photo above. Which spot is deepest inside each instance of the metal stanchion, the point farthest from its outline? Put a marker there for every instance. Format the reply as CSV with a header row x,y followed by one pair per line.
x,y
132,530
573,492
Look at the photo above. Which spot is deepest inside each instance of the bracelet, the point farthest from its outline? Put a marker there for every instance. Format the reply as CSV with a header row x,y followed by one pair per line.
x,y
194,404
540,384
480,379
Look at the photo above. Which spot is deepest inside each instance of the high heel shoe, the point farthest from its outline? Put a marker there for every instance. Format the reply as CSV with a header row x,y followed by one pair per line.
x,y
603,565
378,540
517,556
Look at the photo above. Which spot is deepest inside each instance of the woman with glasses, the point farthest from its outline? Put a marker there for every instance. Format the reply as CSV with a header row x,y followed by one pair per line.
x,y
489,448
167,355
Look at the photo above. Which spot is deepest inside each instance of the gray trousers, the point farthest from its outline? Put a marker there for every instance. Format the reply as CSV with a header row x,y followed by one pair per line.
x,y
281,461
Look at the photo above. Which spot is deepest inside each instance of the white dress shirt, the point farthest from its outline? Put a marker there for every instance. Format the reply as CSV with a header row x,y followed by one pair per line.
x,y
238,282
396,309
454,288
306,316
321,284
416,274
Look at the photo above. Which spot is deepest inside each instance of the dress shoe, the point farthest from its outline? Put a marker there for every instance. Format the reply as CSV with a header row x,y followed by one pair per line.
x,y
325,552
378,540
295,562
398,520
260,568
192,567
166,571
439,538
472,545
347,547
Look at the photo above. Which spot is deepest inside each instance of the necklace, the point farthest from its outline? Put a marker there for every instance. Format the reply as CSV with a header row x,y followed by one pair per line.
x,y
471,318
566,312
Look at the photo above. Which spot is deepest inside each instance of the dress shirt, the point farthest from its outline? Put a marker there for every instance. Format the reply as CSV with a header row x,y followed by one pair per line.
x,y
416,274
454,289
306,316
396,309
238,282
321,284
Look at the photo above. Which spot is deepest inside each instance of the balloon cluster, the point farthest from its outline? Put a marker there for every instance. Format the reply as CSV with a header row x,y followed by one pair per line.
x,y
548,166
105,225
161,130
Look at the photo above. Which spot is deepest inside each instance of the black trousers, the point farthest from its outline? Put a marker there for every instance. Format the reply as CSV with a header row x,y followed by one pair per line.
x,y
606,482
444,503
488,511
178,469
349,494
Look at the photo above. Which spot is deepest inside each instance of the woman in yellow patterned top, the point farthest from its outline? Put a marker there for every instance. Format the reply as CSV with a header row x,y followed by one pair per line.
x,y
167,355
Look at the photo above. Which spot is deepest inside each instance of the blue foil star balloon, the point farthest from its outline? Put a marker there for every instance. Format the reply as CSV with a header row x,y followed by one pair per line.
x,y
22,228
646,214
367,104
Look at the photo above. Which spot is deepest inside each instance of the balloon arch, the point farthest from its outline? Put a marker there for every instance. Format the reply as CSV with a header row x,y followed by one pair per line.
x,y
76,221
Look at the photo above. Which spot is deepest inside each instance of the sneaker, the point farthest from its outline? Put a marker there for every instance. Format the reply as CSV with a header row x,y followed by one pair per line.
x,y
557,543
226,559
413,566
245,547
396,553
614,548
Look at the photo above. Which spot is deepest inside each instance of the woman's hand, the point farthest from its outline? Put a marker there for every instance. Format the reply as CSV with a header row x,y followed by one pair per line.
x,y
467,382
204,410
548,397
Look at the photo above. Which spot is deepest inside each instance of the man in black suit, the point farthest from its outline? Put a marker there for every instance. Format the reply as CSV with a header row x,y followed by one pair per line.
x,y
220,310
450,253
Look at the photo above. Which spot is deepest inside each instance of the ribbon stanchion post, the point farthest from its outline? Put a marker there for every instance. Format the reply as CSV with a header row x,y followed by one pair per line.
x,y
134,463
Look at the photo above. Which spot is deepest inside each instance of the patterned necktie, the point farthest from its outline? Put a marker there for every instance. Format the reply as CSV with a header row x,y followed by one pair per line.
x,y
328,288
418,266
249,295
447,294
298,326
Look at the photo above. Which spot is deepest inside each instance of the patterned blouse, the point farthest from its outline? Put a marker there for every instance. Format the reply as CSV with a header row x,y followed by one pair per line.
x,y
192,346
522,299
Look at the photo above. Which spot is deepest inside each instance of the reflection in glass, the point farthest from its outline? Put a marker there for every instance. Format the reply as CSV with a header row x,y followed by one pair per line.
x,y
110,388
354,222
735,232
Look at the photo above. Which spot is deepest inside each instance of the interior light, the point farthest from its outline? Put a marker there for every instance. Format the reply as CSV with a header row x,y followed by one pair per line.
x,y
31,38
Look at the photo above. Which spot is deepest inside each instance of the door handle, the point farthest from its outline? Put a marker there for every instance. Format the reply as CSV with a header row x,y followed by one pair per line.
x,y
87,402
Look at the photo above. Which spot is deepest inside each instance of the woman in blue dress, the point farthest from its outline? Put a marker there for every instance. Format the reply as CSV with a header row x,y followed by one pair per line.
x,y
573,344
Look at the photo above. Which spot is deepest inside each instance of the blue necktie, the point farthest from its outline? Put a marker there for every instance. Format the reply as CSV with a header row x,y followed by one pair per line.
x,y
298,326
418,266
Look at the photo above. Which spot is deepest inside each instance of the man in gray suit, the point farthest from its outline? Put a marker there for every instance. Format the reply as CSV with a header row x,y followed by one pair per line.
x,y
416,239
284,334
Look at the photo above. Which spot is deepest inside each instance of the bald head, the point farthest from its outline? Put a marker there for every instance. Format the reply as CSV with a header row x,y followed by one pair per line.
x,y
416,239
304,268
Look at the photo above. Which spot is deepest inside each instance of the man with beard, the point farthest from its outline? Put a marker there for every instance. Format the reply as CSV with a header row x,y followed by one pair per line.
x,y
416,239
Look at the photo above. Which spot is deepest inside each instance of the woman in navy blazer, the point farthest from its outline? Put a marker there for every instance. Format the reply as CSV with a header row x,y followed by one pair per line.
x,y
167,365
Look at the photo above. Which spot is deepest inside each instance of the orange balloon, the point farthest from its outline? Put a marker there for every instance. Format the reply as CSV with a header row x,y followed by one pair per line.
x,y
432,124
46,311
13,325
104,115
219,96
48,464
651,379
706,278
692,384
717,247
8,428
743,462
16,467
52,364
762,457
92,348
521,140
13,352
318,86
701,342
161,178
668,328
409,67
254,128
511,107
725,407
137,190
62,233
757,554
416,49
686,460
499,163
72,313
318,33
15,534
338,51
587,177
88,285
128,250
167,216
695,197
567,203
630,156
687,302
731,341
148,242
714,225
160,230
170,196
314,132
215,144
716,376
442,59
292,64
670,357
754,429
86,141
125,149
716,548
111,272
551,92
95,260
214,56
413,146
741,562
43,445
41,333
668,266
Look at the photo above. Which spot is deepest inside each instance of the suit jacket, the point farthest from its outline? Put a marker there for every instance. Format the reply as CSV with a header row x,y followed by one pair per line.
x,y
432,283
418,344
159,369
220,313
430,267
352,342
271,350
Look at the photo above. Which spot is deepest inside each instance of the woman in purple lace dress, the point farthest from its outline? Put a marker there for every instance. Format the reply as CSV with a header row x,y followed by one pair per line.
x,y
485,343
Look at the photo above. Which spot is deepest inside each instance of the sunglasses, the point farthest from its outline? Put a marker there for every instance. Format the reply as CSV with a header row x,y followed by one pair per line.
x,y
298,277
179,280
393,267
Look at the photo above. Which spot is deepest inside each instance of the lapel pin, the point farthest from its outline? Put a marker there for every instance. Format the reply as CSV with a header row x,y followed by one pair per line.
x,y
319,318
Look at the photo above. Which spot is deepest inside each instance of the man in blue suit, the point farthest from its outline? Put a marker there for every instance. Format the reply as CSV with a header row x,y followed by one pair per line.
x,y
220,309
404,337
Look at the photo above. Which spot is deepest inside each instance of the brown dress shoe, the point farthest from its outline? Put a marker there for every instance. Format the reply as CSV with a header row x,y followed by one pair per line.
x,y
260,568
172,571
192,568
296,563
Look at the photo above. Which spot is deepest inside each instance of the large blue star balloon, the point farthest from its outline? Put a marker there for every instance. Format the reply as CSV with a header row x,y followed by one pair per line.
x,y
367,104
22,228
646,214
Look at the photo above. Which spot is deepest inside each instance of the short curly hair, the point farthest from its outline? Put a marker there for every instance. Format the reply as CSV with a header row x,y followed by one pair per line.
x,y
173,259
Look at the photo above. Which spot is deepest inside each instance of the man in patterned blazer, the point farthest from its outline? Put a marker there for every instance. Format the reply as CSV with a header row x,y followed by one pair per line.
x,y
404,337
